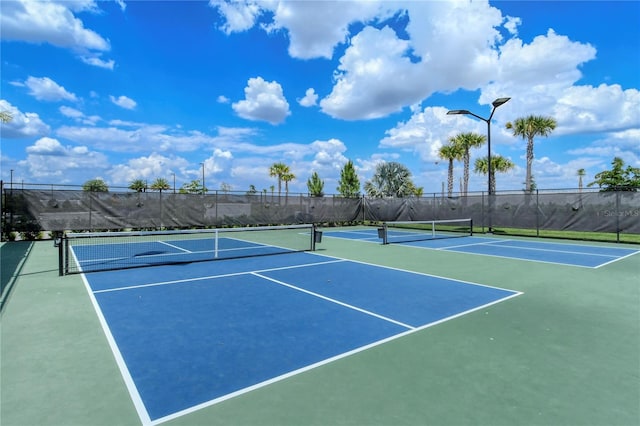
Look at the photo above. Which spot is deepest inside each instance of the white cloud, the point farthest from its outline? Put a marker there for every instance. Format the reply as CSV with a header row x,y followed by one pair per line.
x,y
148,168
315,28
122,4
264,101
222,99
310,98
123,102
45,89
71,112
22,124
142,138
79,116
329,156
375,78
239,15
54,22
97,62
49,159
602,108
512,24
424,133
50,22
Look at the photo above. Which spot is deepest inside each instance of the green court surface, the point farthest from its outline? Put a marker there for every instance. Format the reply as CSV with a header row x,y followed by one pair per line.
x,y
565,352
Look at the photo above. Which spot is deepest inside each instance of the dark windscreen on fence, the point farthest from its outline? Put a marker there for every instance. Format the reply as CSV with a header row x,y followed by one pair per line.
x,y
28,209
81,210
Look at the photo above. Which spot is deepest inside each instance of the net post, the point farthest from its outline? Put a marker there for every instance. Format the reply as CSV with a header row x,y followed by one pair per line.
x,y
59,244
65,242
382,233
471,227
215,244
313,236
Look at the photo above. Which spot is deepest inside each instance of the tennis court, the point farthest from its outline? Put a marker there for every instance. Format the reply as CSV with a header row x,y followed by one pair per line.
x,y
212,331
352,333
563,253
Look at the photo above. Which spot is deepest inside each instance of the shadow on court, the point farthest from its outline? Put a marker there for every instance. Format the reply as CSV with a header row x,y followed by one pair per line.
x,y
13,256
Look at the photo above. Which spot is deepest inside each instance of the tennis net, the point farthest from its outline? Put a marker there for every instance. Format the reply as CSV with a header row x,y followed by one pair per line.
x,y
102,251
419,230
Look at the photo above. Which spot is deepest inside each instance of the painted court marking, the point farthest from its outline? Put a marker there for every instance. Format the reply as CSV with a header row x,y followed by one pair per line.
x,y
583,256
146,418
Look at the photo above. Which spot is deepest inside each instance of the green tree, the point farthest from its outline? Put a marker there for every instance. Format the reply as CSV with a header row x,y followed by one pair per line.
x,y
390,179
498,164
466,141
193,187
528,128
95,185
315,185
349,184
160,184
252,190
450,152
618,178
138,185
5,117
278,170
225,187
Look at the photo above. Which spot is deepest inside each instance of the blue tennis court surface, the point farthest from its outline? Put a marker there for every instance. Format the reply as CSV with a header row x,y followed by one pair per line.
x,y
188,336
591,256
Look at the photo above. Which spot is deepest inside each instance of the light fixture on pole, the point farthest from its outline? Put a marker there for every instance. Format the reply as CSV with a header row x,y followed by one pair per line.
x,y
495,104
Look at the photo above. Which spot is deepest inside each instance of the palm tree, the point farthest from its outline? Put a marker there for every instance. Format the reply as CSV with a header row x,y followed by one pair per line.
x,y
528,128
138,185
160,184
581,173
278,170
390,180
498,164
466,141
450,152
286,178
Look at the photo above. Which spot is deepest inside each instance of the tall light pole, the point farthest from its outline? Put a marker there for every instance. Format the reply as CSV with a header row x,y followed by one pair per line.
x,y
202,178
496,104
174,182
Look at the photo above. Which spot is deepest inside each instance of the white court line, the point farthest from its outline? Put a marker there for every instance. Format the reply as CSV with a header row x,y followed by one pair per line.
x,y
346,305
615,260
211,277
309,367
175,247
143,414
557,251
417,273
484,243
452,250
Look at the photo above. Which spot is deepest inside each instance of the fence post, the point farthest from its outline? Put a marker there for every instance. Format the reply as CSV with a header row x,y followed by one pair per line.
x,y
617,216
537,213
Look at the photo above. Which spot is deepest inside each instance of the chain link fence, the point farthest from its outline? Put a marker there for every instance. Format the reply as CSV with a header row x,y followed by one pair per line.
x,y
30,210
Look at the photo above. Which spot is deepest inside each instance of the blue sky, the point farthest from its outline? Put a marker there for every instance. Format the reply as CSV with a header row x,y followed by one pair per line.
x,y
128,90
